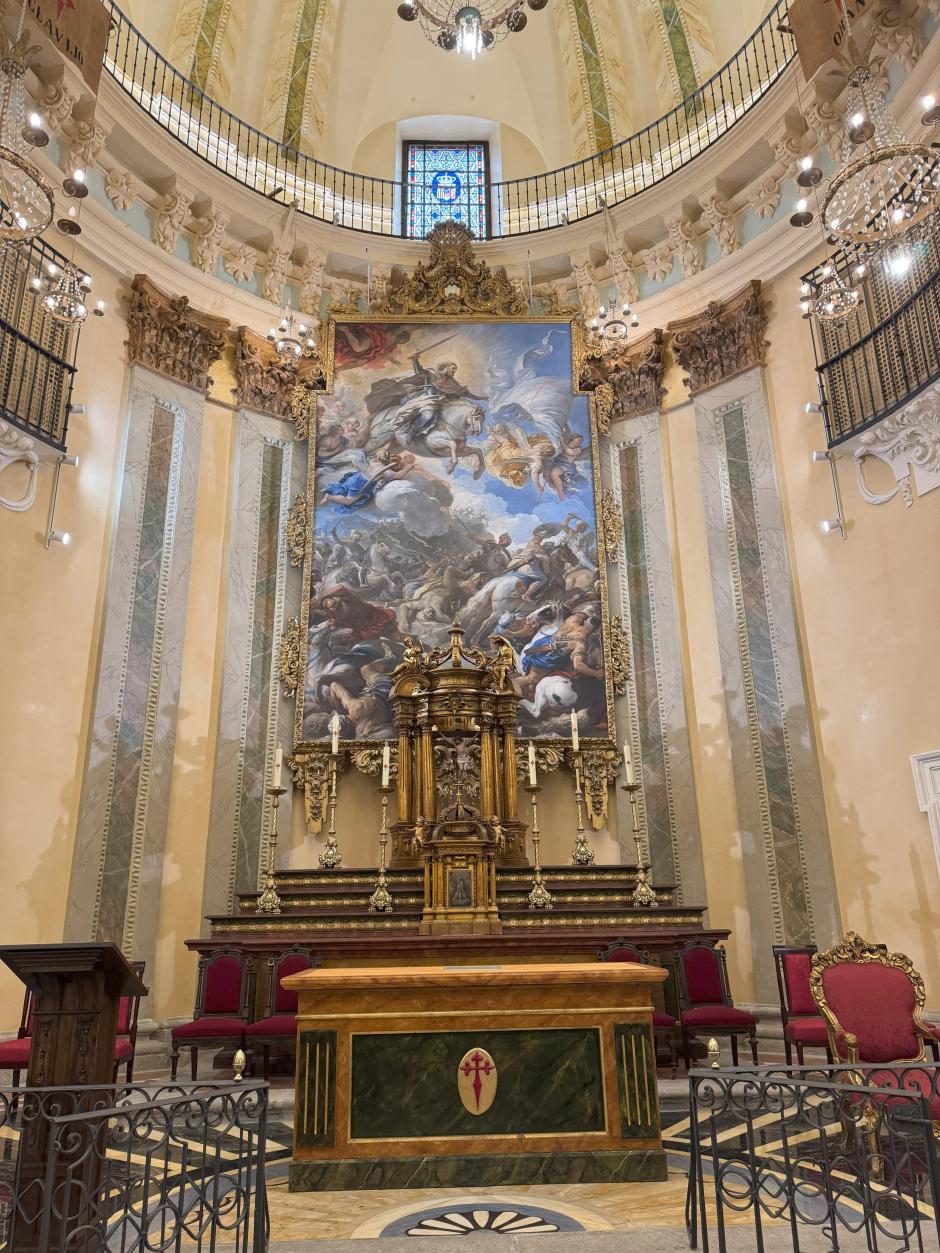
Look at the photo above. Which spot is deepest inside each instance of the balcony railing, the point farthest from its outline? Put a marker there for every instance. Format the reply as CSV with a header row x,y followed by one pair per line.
x,y
887,351
519,206
37,355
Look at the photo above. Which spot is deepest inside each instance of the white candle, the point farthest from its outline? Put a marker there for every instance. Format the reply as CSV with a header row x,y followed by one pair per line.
x,y
278,763
533,777
575,742
628,764
386,764
334,728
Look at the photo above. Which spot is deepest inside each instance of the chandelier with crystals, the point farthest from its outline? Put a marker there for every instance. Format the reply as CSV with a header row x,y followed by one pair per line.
x,y
292,341
27,201
468,28
610,330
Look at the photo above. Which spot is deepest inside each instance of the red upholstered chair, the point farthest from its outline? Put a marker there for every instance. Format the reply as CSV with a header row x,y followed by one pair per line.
x,y
707,1007
279,1025
665,1027
221,1012
803,1025
125,1045
14,1054
872,1002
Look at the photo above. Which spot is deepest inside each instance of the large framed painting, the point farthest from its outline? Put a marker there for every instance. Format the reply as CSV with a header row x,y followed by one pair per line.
x,y
453,477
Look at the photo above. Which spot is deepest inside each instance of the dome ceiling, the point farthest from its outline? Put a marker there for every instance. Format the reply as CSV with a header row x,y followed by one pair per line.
x,y
338,78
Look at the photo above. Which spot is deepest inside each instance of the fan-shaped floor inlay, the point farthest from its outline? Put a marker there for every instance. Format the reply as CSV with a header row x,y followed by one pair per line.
x,y
471,1219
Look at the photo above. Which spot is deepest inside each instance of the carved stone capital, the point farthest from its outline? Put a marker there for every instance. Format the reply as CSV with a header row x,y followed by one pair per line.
x,y
167,335
265,382
635,377
724,339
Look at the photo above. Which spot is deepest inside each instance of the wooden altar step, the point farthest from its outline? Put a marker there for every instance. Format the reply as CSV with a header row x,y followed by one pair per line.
x,y
318,901
341,891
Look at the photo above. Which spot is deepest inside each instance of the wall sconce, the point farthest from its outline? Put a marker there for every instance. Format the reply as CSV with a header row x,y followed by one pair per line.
x,y
828,525
52,535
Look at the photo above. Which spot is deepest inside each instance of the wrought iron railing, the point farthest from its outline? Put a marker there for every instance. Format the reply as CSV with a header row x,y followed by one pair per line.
x,y
134,1168
37,354
519,206
795,1156
886,352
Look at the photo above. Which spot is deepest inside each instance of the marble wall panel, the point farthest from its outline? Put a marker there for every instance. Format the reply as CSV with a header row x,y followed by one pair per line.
x,y
652,712
253,718
118,861
788,867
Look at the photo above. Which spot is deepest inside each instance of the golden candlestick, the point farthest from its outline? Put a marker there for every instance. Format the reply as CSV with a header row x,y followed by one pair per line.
x,y
539,897
583,853
331,858
644,894
381,899
269,902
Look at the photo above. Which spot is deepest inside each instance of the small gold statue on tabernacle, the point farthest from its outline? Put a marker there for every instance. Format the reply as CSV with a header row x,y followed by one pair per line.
x,y
503,664
412,657
417,843
499,833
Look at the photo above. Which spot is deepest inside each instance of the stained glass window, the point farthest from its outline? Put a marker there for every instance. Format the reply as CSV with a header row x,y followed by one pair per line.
x,y
444,181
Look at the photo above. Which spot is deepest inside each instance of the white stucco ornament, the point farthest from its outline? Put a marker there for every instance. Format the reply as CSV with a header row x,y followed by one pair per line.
x,y
909,442
16,446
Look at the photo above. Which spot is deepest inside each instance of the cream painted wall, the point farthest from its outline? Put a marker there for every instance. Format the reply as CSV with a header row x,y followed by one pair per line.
x,y
50,606
870,617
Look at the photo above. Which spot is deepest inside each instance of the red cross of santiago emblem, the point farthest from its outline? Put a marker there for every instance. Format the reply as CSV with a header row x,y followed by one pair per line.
x,y
476,1080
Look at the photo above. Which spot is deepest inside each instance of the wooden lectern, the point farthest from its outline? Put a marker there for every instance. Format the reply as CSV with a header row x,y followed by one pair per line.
x,y
77,990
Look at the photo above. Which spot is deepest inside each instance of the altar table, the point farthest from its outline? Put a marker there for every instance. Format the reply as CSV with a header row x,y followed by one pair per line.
x,y
437,1076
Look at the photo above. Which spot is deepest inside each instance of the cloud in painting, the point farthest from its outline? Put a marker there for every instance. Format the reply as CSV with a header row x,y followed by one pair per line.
x,y
496,513
422,505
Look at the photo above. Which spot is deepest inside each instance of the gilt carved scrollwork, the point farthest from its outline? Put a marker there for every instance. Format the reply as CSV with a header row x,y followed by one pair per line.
x,y
290,657
453,281
619,655
165,334
311,772
599,766
295,529
611,516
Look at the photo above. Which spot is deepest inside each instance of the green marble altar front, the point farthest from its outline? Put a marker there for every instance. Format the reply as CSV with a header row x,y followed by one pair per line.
x,y
475,1075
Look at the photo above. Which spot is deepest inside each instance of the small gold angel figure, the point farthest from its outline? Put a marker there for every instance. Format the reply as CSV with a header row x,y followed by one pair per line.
x,y
412,657
499,833
417,842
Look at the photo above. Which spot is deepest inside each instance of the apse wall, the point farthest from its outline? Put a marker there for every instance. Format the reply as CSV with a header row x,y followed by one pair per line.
x,y
864,648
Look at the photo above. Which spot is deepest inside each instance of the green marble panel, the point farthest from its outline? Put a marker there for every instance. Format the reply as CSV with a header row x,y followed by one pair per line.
x,y
351,1175
404,1086
636,1080
316,1089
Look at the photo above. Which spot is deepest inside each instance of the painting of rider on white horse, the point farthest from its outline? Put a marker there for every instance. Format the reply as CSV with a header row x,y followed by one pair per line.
x,y
454,481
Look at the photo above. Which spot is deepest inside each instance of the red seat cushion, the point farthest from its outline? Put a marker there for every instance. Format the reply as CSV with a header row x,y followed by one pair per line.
x,y
123,1049
277,1024
663,1022
806,1030
718,1016
14,1054
208,1028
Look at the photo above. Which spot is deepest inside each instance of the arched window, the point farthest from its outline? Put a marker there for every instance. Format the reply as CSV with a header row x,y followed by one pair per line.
x,y
445,180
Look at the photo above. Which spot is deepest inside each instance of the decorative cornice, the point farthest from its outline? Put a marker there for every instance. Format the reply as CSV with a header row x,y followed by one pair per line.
x,y
453,281
167,335
635,376
724,339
